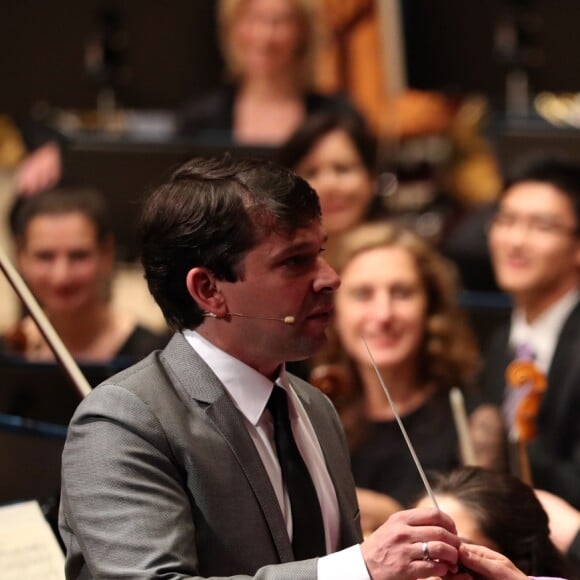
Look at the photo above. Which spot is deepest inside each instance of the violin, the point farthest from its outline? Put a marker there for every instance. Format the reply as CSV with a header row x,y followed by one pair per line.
x,y
522,374
530,385
335,382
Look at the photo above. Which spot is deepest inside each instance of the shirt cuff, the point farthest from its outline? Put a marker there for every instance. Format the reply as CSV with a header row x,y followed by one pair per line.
x,y
344,565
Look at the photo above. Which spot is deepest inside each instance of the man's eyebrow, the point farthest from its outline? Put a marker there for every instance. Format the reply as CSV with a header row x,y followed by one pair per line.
x,y
297,247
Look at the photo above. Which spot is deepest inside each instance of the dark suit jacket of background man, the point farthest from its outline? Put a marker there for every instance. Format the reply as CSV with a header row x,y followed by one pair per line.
x,y
555,453
164,477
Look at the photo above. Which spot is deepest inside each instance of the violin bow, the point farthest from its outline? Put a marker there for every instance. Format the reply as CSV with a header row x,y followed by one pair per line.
x,y
402,428
60,351
457,403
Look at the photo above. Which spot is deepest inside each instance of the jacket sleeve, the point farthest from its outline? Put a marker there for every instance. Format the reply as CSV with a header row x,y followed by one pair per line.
x,y
125,510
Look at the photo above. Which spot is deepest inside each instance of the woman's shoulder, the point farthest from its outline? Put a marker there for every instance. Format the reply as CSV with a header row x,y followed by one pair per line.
x,y
142,341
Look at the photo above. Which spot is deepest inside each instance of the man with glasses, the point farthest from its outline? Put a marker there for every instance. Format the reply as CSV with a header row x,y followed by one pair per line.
x,y
534,242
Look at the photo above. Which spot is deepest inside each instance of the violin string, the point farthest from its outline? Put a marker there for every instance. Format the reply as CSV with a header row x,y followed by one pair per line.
x,y
402,427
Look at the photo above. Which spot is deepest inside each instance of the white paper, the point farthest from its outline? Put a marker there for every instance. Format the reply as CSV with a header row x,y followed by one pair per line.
x,y
28,548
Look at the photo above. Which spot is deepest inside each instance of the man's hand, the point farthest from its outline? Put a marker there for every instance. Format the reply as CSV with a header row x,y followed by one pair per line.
x,y
487,564
395,550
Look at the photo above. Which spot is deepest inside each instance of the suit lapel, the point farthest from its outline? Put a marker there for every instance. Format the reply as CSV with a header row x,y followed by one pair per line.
x,y
228,421
201,387
498,357
566,347
565,354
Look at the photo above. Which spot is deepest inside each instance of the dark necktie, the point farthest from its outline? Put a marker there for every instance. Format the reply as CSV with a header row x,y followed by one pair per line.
x,y
307,527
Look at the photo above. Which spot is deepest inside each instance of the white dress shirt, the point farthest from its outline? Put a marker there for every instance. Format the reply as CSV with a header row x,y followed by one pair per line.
x,y
542,334
250,392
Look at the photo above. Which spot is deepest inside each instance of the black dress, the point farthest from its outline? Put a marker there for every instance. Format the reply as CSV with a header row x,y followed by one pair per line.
x,y
383,463
138,345
211,117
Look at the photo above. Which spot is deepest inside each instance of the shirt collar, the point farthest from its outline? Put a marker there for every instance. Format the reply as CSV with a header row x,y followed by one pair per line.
x,y
249,389
542,334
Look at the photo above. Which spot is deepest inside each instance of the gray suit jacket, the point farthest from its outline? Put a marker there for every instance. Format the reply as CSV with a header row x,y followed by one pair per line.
x,y
160,479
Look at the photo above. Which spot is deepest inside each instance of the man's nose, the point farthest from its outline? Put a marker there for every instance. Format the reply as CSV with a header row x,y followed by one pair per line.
x,y
327,279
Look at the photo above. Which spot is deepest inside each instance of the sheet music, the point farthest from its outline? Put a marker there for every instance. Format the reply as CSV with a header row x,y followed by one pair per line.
x,y
28,548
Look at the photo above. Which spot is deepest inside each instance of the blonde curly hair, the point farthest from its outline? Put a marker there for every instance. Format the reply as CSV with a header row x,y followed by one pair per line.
x,y
449,354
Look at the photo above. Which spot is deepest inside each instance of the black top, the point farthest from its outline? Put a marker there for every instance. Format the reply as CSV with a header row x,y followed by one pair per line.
x,y
211,116
41,390
383,463
140,343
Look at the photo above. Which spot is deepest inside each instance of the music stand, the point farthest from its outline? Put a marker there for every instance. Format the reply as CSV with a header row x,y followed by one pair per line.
x,y
41,391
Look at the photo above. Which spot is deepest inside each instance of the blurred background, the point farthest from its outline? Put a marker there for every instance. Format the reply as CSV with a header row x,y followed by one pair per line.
x,y
454,92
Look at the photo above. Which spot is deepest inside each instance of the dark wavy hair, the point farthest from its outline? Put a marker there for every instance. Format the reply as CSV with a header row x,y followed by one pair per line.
x,y
317,126
507,511
211,213
449,353
84,200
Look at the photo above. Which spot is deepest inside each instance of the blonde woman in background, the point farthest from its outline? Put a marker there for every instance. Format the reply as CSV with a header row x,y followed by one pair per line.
x,y
399,294
268,48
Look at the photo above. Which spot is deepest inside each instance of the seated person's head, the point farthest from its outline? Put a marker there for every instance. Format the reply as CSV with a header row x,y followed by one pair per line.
x,y
65,248
501,512
534,237
400,294
266,38
336,154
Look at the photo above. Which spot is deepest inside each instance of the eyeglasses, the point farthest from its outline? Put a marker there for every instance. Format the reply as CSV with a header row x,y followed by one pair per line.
x,y
536,224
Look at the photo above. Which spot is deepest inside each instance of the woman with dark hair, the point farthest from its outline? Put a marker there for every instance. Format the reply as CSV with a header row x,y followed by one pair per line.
x,y
65,252
500,512
399,294
337,155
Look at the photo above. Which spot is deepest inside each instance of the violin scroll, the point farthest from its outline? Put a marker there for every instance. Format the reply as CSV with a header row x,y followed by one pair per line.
x,y
525,375
335,382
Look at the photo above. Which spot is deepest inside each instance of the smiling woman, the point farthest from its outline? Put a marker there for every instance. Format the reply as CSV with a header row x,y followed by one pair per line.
x,y
267,46
336,154
400,294
66,255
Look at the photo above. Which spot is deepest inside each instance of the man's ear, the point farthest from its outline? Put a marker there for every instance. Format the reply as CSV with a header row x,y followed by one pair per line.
x,y
202,287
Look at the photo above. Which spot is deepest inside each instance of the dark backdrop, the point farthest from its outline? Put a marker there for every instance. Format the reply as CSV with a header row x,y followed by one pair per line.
x,y
170,52
450,44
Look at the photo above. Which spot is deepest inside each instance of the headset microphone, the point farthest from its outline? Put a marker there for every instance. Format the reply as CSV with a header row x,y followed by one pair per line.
x,y
286,320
